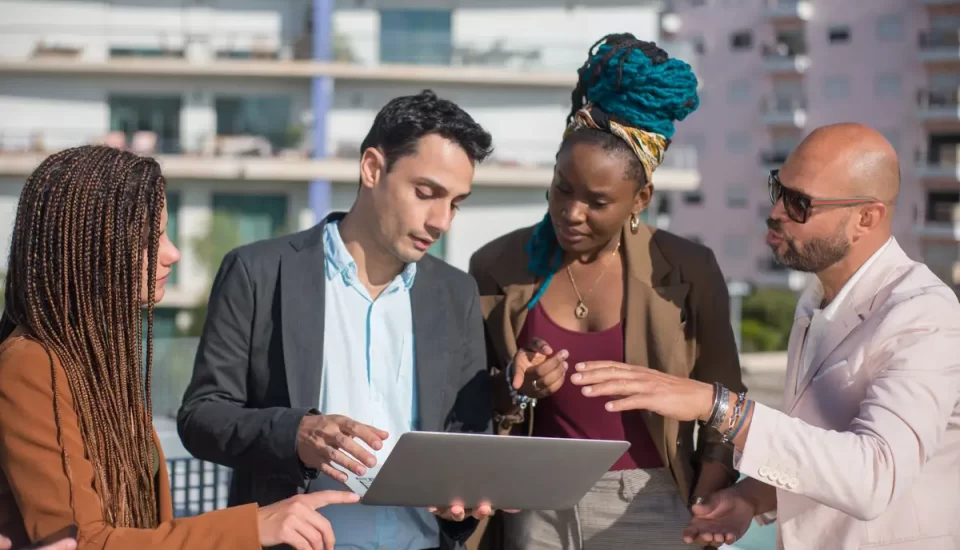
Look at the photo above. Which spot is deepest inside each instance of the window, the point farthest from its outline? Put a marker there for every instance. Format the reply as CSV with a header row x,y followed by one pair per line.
x,y
890,27
173,229
242,219
738,91
838,34
888,86
693,197
742,40
737,196
264,117
735,246
157,117
836,87
737,142
696,3
417,37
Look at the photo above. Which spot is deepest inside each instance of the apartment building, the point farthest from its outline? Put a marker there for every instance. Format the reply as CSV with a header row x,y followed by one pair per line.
x,y
773,70
256,108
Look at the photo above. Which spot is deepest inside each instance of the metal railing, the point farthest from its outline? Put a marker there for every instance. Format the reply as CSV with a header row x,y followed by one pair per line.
x,y
927,99
773,157
197,487
782,104
938,38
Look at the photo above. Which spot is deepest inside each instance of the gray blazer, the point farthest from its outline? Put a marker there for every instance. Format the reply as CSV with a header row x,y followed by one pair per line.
x,y
258,366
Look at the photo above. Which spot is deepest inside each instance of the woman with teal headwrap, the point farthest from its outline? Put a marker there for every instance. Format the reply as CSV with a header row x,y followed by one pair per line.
x,y
592,282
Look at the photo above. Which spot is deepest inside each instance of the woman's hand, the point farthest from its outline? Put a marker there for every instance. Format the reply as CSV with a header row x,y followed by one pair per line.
x,y
641,388
537,371
296,522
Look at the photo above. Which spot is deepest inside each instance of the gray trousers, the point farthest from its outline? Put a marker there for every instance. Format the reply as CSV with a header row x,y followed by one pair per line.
x,y
628,509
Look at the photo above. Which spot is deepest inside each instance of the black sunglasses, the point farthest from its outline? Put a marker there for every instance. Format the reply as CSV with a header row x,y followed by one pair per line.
x,y
798,205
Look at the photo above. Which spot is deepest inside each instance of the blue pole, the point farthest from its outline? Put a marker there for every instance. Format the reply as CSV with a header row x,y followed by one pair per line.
x,y
321,99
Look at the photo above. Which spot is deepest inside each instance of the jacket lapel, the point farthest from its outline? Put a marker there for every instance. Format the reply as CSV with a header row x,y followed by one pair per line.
x,y
655,301
857,305
302,316
794,348
431,366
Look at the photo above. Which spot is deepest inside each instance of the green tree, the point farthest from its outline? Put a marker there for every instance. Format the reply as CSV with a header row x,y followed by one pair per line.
x,y
767,319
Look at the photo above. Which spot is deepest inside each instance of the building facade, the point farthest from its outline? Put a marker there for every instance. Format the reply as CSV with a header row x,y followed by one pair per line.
x,y
256,108
773,70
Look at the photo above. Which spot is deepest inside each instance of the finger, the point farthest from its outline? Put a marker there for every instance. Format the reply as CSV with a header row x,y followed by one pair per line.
x,y
292,536
5,543
65,544
457,512
621,387
606,374
708,509
511,511
326,498
337,456
538,345
368,434
333,473
350,446
482,510
553,364
556,375
632,403
322,529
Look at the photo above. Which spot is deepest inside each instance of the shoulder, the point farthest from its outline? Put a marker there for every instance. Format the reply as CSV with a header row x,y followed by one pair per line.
x,y
694,260
433,271
511,245
915,297
270,250
26,369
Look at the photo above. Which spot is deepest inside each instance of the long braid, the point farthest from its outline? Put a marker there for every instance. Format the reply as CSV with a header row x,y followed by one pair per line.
x,y
85,218
636,84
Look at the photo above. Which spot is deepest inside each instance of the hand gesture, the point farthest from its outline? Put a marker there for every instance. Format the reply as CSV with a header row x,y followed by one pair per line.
x,y
722,519
325,440
296,522
641,388
65,544
457,512
537,371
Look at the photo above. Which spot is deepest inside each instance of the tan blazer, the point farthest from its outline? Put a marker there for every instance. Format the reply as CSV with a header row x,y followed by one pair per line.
x,y
34,492
867,451
677,321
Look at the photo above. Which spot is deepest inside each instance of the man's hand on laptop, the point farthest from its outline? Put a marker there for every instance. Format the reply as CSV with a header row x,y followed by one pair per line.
x,y
457,512
324,440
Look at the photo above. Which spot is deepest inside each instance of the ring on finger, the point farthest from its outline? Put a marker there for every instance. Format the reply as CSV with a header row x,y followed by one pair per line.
x,y
536,385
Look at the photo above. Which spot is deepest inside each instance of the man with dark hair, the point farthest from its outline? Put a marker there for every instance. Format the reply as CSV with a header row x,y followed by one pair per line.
x,y
321,348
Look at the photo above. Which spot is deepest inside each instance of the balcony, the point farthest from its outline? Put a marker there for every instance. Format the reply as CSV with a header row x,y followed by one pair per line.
x,y
406,57
773,159
939,46
941,164
784,112
943,217
939,107
783,59
251,158
789,10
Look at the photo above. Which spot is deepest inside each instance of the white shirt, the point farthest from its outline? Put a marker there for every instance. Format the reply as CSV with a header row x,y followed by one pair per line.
x,y
369,376
810,304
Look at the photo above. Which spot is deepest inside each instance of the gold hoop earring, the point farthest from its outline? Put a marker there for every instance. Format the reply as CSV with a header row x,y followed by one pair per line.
x,y
634,223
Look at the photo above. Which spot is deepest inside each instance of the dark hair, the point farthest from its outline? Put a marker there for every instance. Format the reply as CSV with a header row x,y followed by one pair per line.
x,y
404,120
635,83
84,217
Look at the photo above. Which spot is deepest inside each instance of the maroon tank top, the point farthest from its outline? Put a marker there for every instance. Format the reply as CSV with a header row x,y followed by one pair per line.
x,y
570,414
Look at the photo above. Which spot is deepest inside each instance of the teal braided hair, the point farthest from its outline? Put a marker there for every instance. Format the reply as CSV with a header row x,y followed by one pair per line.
x,y
633,83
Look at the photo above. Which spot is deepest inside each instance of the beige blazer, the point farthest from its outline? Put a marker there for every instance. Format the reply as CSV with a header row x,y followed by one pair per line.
x,y
867,451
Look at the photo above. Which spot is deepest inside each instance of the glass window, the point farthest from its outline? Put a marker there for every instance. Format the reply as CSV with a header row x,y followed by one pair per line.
x,y
157,117
890,27
836,87
251,217
838,34
417,37
267,117
439,248
741,40
888,86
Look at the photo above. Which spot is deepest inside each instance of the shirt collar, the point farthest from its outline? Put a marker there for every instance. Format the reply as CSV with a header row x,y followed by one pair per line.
x,y
339,262
812,297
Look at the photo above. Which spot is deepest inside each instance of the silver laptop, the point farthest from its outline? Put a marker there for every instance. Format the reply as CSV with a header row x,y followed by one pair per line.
x,y
527,473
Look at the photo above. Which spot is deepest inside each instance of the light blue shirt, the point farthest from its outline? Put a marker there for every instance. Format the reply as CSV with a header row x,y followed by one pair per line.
x,y
369,376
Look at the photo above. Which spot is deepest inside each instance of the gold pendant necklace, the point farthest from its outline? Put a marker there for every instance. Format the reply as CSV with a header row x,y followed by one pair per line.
x,y
582,310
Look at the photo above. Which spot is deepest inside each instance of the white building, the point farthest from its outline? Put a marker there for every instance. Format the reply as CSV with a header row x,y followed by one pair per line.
x,y
222,92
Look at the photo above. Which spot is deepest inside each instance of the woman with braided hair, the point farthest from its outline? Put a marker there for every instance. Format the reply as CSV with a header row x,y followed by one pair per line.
x,y
592,281
88,261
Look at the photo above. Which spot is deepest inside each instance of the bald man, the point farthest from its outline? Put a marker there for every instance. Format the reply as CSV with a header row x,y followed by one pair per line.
x,y
866,453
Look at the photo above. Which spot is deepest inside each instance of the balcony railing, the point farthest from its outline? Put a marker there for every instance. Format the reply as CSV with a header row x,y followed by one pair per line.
x,y
935,39
773,158
789,9
785,58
